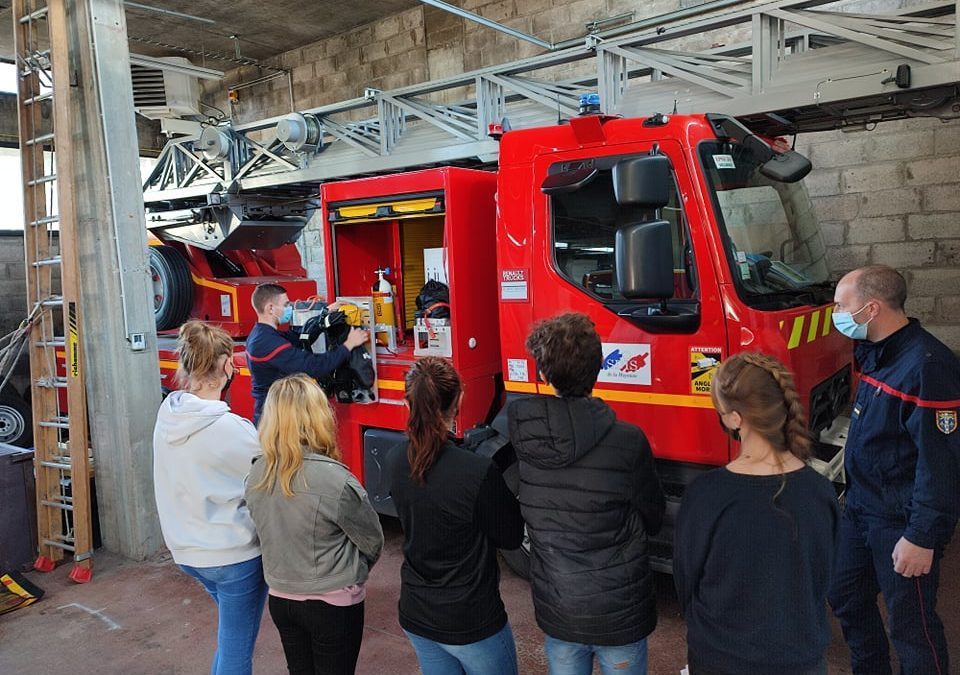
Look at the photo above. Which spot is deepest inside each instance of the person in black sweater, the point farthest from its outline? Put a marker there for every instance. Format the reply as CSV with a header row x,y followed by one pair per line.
x,y
754,540
455,510
590,495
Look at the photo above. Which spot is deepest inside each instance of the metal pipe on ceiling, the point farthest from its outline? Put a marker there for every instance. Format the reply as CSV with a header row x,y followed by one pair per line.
x,y
574,42
483,21
168,12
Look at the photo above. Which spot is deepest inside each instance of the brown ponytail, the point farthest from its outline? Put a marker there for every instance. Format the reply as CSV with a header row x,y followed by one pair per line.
x,y
762,390
199,348
433,390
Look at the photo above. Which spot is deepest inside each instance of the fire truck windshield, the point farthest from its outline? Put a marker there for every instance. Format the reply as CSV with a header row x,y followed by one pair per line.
x,y
771,234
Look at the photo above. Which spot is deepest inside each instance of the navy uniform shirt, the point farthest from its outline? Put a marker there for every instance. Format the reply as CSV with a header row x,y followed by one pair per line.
x,y
903,452
271,356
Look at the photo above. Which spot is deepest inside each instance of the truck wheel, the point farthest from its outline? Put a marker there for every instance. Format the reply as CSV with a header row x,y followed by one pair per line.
x,y
518,559
171,285
16,421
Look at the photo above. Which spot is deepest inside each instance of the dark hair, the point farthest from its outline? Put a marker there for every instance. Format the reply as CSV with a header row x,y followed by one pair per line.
x,y
432,391
881,282
264,294
761,389
568,352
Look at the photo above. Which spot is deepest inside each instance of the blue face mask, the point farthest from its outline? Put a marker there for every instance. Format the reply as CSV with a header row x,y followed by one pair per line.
x,y
287,315
843,321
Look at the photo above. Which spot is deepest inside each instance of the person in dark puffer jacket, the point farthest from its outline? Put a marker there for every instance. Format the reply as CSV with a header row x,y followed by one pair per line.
x,y
590,495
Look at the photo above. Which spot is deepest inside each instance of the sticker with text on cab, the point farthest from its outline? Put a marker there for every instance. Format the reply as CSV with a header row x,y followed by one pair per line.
x,y
517,370
724,162
513,285
625,363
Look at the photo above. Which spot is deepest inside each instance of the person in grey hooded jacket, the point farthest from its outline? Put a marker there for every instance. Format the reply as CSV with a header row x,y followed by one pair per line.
x,y
590,495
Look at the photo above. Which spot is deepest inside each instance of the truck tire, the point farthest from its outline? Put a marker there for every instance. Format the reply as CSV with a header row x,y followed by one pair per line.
x,y
172,287
518,559
16,421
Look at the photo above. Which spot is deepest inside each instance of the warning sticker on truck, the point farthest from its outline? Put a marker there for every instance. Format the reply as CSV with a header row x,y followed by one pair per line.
x,y
513,285
625,363
703,362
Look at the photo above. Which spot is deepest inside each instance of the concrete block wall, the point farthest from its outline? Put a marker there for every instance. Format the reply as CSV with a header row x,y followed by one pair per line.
x,y
13,299
889,195
892,196
13,281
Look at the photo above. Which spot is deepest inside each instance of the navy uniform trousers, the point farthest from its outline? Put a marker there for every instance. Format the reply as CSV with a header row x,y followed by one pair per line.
x,y
864,568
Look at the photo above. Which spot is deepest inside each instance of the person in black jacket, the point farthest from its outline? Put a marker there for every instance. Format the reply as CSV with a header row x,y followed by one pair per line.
x,y
754,540
455,510
590,495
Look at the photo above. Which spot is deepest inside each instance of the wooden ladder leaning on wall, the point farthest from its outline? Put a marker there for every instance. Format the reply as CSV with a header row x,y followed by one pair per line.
x,y
62,458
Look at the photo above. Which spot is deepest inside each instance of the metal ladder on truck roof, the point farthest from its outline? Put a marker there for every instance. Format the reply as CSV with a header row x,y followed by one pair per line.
x,y
62,458
796,65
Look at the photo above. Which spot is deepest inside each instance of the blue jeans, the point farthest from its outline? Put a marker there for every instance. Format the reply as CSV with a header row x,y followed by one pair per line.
x,y
240,592
863,569
495,655
573,658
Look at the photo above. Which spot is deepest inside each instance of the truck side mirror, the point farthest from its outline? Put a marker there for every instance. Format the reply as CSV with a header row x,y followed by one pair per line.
x,y
644,260
642,181
788,167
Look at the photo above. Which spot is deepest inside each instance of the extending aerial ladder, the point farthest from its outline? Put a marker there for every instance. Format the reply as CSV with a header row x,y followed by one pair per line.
x,y
62,458
800,66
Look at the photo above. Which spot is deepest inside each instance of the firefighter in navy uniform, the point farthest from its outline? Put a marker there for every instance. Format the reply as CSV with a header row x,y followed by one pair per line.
x,y
902,460
271,353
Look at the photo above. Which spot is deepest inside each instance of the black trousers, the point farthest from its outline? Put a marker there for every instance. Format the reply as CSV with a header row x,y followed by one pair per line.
x,y
318,638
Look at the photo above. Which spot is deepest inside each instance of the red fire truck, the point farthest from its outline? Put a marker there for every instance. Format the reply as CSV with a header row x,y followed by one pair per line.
x,y
685,238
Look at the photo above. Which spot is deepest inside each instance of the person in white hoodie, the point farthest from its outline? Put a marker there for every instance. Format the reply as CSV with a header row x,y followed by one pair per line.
x,y
201,456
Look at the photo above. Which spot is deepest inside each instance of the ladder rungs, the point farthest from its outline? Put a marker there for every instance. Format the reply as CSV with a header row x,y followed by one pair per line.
x,y
54,301
46,220
55,342
39,98
58,544
58,422
52,383
42,179
33,16
55,465
39,140
57,505
48,261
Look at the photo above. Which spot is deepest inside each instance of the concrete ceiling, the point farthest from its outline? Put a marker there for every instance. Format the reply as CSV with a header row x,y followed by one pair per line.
x,y
262,29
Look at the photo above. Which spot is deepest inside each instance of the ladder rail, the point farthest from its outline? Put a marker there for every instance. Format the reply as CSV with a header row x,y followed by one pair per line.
x,y
70,276
39,279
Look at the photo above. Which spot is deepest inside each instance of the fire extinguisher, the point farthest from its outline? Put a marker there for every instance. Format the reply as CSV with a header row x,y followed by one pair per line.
x,y
384,318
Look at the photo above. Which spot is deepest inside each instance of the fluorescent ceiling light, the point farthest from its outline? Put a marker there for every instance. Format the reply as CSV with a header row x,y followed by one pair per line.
x,y
163,64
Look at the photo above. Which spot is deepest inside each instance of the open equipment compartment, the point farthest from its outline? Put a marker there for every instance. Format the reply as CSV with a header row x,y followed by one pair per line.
x,y
389,221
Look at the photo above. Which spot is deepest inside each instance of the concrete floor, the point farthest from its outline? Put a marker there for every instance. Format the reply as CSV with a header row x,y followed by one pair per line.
x,y
150,619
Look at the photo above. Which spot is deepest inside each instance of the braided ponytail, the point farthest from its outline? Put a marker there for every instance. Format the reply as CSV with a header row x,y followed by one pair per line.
x,y
762,390
433,390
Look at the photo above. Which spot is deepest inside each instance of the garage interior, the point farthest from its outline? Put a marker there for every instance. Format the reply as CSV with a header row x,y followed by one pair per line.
x,y
184,106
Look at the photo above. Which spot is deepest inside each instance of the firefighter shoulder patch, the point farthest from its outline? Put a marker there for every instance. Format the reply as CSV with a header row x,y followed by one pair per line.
x,y
947,421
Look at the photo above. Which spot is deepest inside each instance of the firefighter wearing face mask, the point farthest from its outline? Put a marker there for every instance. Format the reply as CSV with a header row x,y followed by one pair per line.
x,y
271,354
902,460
